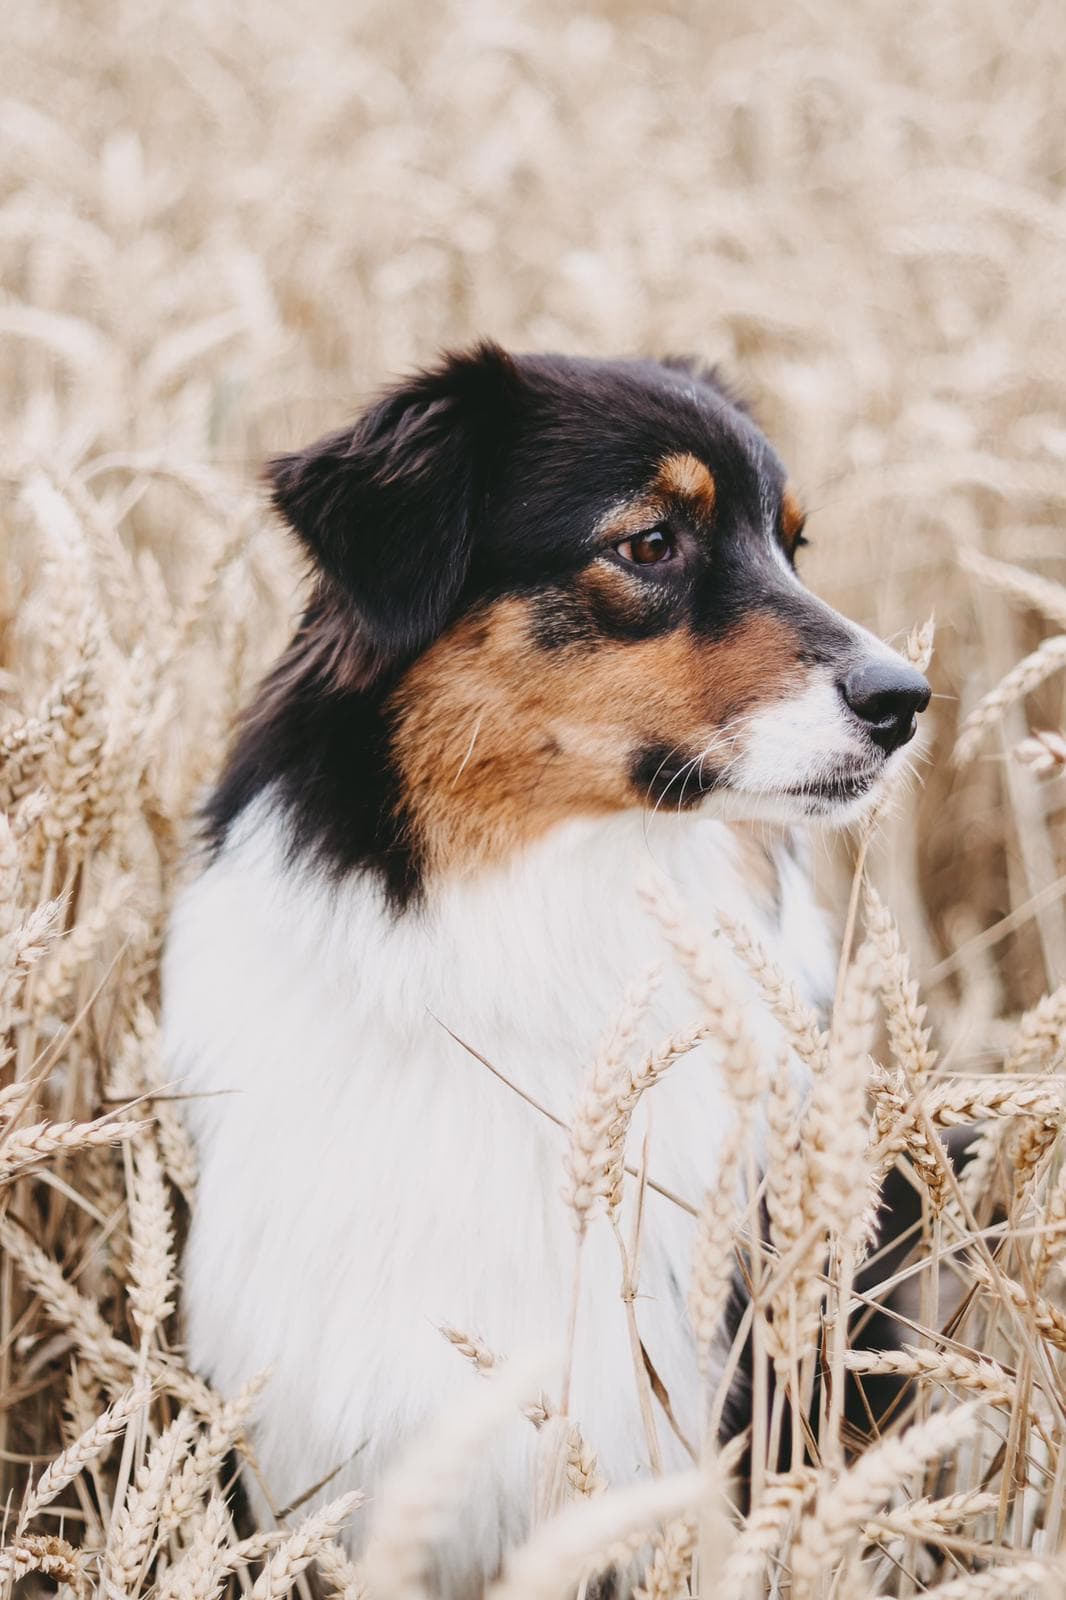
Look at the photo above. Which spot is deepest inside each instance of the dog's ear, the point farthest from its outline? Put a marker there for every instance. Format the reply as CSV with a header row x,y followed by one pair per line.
x,y
388,509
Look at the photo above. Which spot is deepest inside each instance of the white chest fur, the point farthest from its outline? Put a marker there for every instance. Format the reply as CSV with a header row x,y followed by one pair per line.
x,y
364,1179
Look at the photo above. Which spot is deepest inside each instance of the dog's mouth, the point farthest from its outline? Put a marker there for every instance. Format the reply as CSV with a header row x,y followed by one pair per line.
x,y
838,797
822,796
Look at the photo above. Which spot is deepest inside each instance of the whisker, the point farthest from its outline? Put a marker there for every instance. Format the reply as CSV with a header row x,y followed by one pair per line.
x,y
469,749
648,791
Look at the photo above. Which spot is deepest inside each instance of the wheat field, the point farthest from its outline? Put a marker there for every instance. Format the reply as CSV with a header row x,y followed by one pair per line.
x,y
221,227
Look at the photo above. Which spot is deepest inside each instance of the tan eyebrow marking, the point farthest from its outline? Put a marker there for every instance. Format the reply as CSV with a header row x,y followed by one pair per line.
x,y
685,476
636,517
680,476
792,515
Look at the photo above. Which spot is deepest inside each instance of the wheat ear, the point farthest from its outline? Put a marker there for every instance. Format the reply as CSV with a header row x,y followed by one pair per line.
x,y
86,1448
1041,1035
844,1503
798,1019
1018,584
979,1374
419,1494
134,1523
594,1160
43,1140
930,1519
300,1548
152,1271
339,1574
667,1574
1029,673
713,1257
1002,1582
201,1570
44,1553
764,1530
547,1566
1043,751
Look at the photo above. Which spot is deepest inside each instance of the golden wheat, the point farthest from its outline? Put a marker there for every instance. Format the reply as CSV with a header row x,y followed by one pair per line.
x,y
218,232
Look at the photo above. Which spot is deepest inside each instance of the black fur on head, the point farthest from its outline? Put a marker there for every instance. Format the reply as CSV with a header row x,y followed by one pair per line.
x,y
387,508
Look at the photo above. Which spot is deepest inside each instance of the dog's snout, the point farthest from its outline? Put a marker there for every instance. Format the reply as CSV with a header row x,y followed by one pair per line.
x,y
887,695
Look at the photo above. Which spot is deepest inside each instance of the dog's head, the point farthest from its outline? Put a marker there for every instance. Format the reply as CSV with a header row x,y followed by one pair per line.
x,y
572,584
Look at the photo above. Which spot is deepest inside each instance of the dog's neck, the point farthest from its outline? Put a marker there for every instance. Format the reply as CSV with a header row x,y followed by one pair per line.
x,y
535,947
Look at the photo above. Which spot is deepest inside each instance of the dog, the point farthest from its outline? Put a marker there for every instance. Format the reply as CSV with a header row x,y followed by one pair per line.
x,y
555,634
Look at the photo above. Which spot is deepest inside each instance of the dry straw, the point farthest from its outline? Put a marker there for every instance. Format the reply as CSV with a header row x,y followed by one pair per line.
x,y
553,1560
314,1535
420,1497
166,323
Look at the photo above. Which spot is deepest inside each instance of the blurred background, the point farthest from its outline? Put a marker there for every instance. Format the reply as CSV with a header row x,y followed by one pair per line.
x,y
223,225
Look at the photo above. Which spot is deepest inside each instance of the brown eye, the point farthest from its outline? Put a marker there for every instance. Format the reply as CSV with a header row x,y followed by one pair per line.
x,y
644,549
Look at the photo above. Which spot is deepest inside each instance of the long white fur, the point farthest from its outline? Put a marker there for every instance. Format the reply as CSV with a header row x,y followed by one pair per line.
x,y
364,1179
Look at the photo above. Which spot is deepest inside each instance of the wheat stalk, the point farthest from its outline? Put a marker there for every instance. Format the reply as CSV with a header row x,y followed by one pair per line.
x,y
200,1572
1027,588
1043,752
1041,1034
42,1140
930,1519
151,1236
595,1159
582,1467
86,1448
713,1256
554,1558
1045,1317
998,1583
314,1535
68,956
135,1521
153,293
419,1493
844,1503
799,1020
47,1554
980,1375
109,1358
1021,680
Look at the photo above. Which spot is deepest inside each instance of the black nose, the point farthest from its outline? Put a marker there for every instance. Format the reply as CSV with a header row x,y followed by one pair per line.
x,y
886,695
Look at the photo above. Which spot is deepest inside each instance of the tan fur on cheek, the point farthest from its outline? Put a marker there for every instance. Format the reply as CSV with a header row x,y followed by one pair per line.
x,y
608,589
498,739
477,743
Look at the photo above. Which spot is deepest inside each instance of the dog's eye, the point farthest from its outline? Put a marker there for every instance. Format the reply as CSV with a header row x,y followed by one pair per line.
x,y
645,549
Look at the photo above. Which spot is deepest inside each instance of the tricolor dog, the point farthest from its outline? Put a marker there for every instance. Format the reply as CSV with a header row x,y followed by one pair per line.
x,y
555,636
